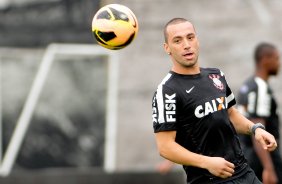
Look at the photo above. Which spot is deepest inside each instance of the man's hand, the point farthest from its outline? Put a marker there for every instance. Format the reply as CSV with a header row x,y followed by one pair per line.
x,y
219,167
269,176
266,140
164,167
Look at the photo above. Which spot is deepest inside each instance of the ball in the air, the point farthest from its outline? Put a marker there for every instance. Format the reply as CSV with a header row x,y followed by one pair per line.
x,y
114,26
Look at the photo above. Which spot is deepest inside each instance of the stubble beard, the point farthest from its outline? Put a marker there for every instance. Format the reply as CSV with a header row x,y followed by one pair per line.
x,y
190,64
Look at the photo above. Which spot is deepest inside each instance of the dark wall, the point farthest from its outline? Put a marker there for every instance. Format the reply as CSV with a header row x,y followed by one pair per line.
x,y
92,177
39,23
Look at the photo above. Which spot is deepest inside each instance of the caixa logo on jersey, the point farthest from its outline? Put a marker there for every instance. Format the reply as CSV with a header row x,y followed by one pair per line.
x,y
211,106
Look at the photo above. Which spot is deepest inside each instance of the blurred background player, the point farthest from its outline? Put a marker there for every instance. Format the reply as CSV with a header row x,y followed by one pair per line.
x,y
256,100
164,167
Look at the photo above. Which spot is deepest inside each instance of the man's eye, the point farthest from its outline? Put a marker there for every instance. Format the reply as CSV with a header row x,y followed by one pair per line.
x,y
191,38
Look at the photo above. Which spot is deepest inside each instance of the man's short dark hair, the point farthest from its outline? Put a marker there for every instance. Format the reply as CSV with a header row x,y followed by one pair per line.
x,y
172,22
262,50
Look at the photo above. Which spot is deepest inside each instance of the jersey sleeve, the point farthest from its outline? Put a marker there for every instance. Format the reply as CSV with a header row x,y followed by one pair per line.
x,y
242,100
243,95
231,101
164,107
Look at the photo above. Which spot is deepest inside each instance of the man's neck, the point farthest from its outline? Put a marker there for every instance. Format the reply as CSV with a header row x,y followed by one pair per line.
x,y
262,74
186,70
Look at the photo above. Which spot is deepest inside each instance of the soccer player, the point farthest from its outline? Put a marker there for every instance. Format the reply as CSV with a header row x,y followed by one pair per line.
x,y
194,118
257,101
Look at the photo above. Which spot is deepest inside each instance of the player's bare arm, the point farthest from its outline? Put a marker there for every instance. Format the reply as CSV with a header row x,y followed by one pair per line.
x,y
244,126
174,152
268,174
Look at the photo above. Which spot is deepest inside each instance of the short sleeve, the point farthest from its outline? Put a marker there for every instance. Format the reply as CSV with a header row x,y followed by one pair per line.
x,y
231,101
242,100
164,107
243,95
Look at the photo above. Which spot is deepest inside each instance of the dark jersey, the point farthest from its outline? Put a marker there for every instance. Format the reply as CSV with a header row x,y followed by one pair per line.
x,y
195,106
259,101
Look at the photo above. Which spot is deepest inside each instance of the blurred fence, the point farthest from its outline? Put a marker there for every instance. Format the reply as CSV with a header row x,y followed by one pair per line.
x,y
62,115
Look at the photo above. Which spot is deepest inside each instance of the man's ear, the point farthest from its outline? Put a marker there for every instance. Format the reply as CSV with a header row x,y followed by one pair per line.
x,y
166,48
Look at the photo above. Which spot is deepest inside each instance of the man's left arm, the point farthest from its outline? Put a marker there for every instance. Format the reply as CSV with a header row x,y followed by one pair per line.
x,y
244,126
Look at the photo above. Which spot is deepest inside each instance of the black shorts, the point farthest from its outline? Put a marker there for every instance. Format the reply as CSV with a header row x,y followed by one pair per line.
x,y
248,178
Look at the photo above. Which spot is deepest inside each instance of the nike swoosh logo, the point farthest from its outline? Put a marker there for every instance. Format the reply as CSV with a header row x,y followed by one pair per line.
x,y
188,91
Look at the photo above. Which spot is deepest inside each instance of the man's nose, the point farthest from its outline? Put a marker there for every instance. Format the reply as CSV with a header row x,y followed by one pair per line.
x,y
186,44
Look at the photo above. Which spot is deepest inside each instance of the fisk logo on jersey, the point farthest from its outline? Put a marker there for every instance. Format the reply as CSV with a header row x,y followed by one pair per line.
x,y
170,107
211,107
154,114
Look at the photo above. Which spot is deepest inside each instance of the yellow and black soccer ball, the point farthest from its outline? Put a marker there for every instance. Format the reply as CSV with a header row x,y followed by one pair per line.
x,y
114,26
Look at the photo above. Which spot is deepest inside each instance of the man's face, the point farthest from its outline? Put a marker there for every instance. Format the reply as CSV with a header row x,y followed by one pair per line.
x,y
273,63
182,44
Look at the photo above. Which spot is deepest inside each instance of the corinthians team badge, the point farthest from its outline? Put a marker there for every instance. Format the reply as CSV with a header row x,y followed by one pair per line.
x,y
216,82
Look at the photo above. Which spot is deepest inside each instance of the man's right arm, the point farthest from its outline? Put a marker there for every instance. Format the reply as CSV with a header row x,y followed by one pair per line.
x,y
174,152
